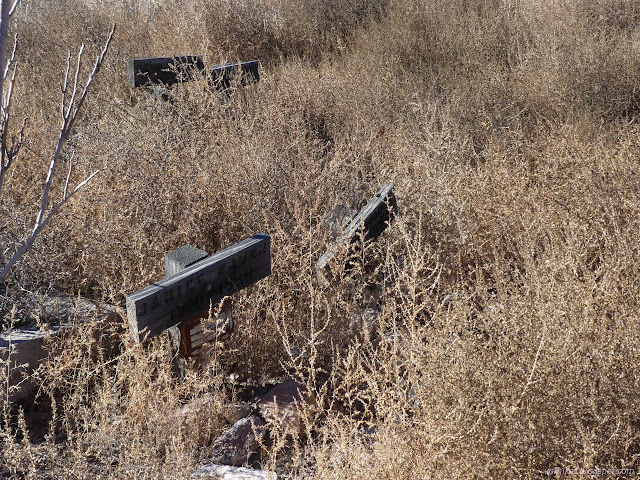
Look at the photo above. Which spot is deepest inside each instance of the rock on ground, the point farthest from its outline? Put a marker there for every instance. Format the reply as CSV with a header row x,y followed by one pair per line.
x,y
284,405
237,444
225,472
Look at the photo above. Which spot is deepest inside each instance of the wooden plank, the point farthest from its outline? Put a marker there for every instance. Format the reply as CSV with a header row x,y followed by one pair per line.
x,y
371,220
166,70
221,75
181,296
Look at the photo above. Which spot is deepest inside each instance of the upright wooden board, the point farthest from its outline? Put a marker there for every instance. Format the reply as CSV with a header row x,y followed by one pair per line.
x,y
176,298
221,75
371,220
181,258
166,70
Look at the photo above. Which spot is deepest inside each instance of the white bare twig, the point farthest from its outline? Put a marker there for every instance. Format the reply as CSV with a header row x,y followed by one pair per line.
x,y
13,8
69,113
6,11
69,107
531,374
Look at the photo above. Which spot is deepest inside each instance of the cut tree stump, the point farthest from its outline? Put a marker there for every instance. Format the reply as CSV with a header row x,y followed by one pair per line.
x,y
23,349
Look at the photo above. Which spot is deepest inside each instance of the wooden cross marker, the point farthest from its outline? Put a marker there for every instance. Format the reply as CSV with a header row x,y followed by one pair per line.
x,y
189,335
221,75
188,293
172,70
166,70
372,220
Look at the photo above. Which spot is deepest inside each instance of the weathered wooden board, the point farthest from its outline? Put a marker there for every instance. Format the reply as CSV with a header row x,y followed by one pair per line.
x,y
221,75
170,301
371,220
166,70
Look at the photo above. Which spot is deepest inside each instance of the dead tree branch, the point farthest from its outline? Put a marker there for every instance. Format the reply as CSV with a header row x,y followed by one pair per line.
x,y
70,105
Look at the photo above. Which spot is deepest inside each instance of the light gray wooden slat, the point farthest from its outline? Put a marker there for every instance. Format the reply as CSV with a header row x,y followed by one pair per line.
x,y
170,301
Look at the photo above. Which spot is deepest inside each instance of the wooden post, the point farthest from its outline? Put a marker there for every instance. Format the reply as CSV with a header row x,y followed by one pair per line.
x,y
181,258
175,262
189,292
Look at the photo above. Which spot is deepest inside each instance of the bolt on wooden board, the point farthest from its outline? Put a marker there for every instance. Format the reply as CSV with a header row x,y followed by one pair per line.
x,y
179,297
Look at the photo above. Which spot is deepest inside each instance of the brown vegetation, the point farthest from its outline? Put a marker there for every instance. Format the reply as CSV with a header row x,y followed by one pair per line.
x,y
509,343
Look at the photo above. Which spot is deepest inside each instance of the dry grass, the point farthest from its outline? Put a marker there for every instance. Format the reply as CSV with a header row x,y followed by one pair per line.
x,y
508,344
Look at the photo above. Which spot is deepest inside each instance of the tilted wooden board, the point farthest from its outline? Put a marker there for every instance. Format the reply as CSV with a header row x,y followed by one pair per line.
x,y
166,70
372,219
221,75
168,302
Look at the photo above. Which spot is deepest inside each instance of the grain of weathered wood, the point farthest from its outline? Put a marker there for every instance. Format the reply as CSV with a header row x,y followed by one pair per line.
x,y
166,70
221,75
169,301
371,220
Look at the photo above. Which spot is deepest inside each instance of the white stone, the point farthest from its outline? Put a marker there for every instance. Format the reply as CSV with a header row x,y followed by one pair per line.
x,y
226,472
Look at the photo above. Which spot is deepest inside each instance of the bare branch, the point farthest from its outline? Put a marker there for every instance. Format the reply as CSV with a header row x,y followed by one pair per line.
x,y
65,84
75,82
12,59
5,100
59,205
28,243
96,68
68,119
5,15
69,109
13,8
6,107
66,182
47,185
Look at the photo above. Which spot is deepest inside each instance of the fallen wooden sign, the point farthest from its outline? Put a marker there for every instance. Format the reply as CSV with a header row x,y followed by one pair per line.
x,y
166,70
189,292
372,220
221,75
